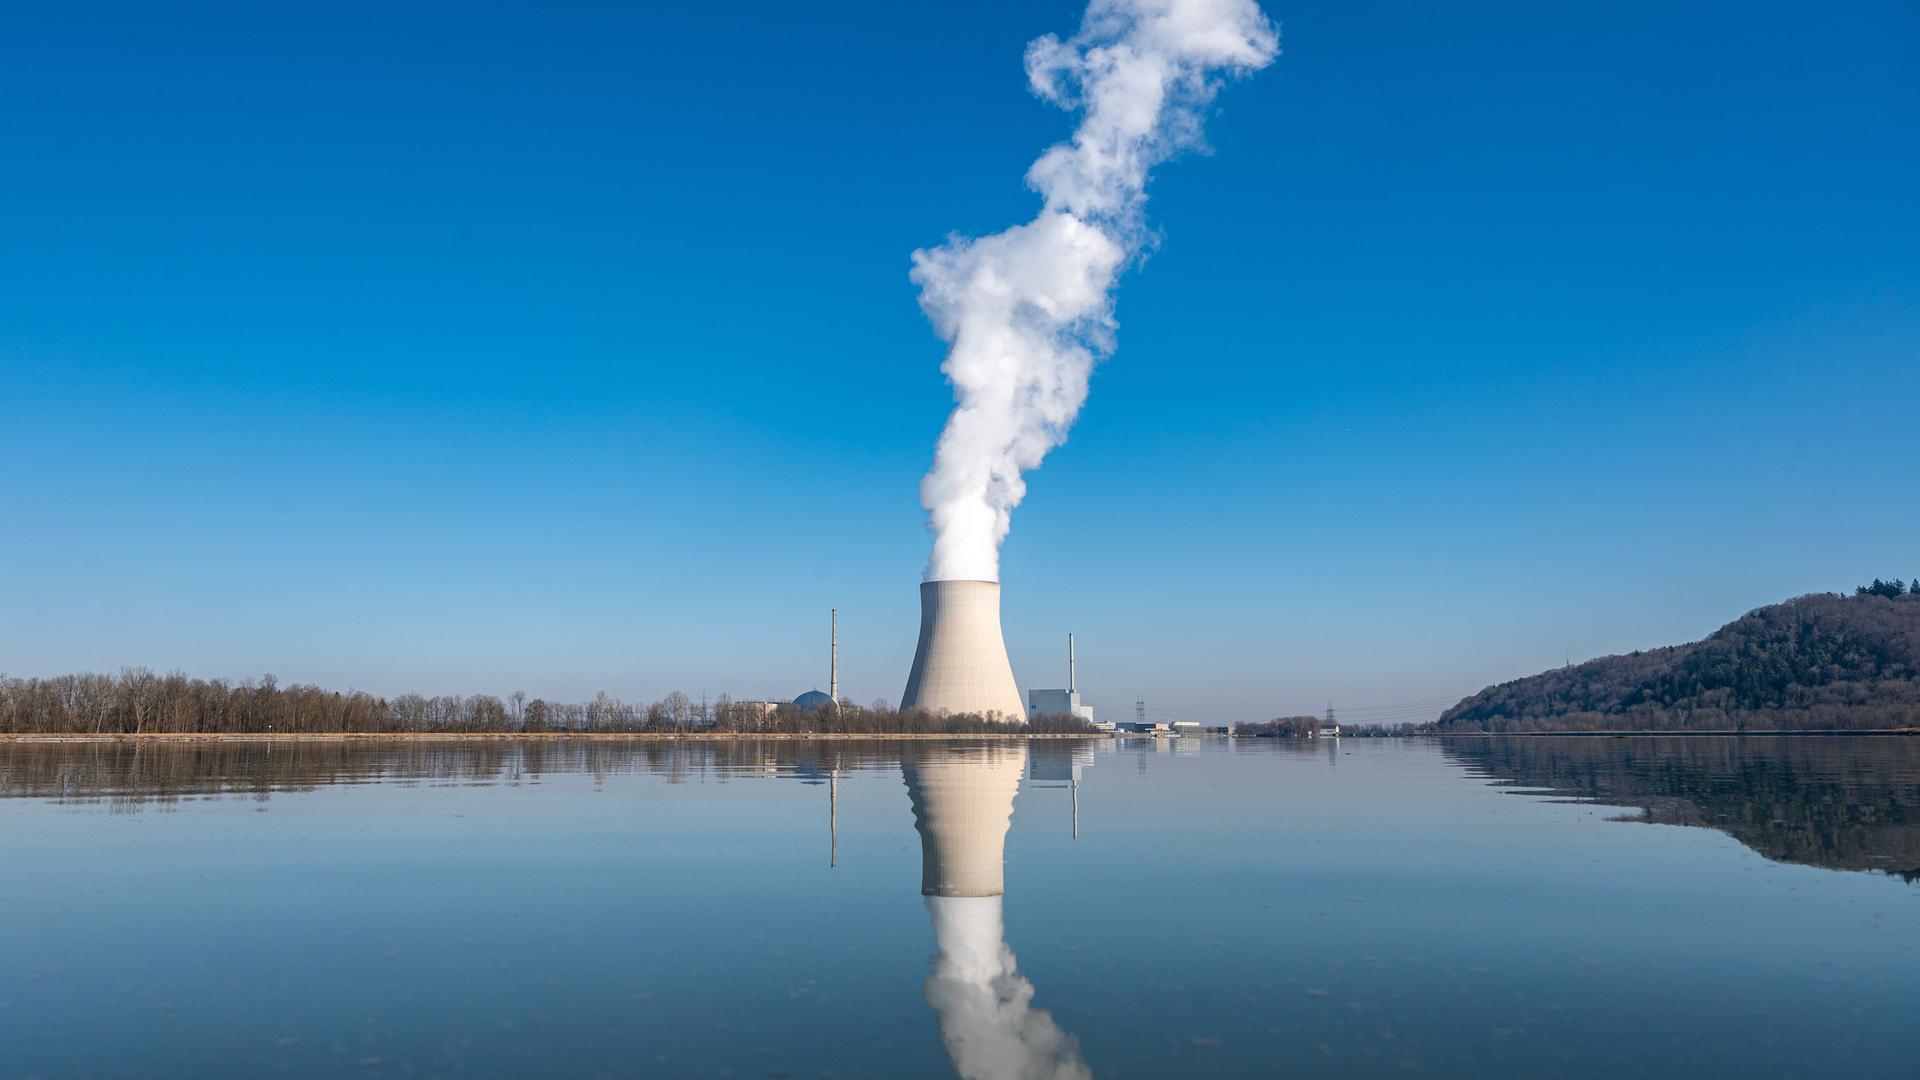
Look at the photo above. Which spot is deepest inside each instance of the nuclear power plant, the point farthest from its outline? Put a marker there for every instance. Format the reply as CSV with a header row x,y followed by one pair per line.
x,y
960,664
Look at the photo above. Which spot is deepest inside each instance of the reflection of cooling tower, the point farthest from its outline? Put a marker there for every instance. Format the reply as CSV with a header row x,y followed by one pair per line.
x,y
962,805
960,665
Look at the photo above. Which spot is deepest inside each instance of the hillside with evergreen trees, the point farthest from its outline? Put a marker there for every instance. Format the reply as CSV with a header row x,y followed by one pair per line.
x,y
1819,662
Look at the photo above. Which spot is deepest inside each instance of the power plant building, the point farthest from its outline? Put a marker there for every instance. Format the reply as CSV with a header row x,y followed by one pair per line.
x,y
1061,702
1057,703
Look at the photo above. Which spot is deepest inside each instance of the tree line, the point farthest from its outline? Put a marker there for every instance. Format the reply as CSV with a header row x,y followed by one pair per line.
x,y
137,701
1283,727
1819,662
1307,727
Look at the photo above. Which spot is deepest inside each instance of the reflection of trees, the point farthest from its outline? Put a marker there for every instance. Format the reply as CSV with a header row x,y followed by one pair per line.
x,y
131,775
1845,803
962,806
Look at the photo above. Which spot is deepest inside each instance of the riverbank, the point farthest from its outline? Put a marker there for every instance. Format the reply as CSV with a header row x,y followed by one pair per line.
x,y
176,738
172,737
1794,734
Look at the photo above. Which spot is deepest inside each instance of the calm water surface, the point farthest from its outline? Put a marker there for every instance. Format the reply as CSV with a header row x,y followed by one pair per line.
x,y
1520,907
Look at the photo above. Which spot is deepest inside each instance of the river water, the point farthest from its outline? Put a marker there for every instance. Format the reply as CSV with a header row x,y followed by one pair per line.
x,y
1177,907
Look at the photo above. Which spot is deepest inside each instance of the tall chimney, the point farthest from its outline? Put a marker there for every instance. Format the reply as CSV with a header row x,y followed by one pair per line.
x,y
1070,686
833,668
960,664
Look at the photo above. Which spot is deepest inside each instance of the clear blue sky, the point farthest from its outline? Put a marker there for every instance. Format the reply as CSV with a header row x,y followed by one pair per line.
x,y
473,348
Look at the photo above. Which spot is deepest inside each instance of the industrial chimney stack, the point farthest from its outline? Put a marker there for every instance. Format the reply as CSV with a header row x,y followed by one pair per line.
x,y
960,664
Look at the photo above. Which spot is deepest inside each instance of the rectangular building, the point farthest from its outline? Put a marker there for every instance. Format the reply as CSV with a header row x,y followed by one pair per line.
x,y
1058,703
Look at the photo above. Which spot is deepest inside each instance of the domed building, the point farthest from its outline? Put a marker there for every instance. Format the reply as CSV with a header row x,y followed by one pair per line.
x,y
814,700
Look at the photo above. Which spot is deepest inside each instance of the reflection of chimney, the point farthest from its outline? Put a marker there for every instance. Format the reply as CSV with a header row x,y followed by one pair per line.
x,y
960,664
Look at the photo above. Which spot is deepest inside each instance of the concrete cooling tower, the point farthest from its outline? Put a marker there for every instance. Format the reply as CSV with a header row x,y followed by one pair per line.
x,y
960,665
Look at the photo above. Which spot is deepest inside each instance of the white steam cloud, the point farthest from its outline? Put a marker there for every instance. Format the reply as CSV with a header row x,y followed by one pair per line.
x,y
1028,311
985,1006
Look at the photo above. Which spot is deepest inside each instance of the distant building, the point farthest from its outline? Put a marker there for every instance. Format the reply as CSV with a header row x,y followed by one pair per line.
x,y
1185,727
754,710
1057,703
1060,702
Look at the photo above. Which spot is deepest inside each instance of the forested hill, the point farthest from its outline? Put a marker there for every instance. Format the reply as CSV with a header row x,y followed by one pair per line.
x,y
1820,662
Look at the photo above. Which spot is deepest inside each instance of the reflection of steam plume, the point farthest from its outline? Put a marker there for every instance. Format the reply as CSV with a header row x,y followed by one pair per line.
x,y
985,1006
962,806
1028,311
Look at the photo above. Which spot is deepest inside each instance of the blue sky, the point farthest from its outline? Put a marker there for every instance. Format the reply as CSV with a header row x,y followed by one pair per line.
x,y
479,350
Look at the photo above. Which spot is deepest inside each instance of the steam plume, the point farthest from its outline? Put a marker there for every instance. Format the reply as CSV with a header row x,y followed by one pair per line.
x,y
1028,311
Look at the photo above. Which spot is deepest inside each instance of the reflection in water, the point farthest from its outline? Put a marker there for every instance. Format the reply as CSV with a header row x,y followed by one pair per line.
x,y
962,806
1058,764
130,776
1839,803
962,798
492,907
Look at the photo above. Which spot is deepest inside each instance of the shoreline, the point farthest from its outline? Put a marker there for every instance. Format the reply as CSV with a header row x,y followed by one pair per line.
x,y
1797,733
526,736
176,738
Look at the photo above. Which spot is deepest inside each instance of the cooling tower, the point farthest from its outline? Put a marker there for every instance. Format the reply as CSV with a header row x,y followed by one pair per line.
x,y
960,665
962,805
